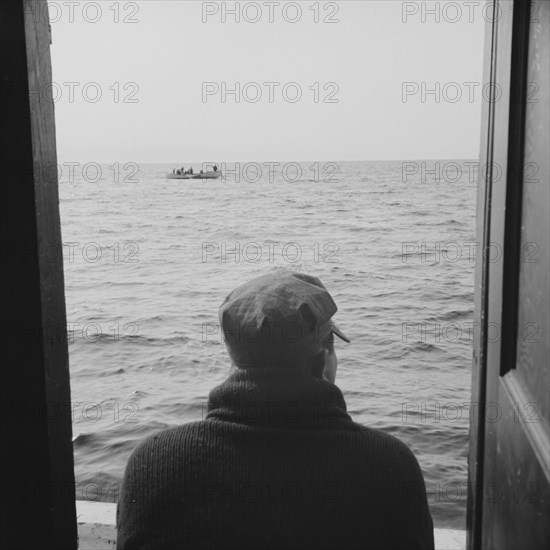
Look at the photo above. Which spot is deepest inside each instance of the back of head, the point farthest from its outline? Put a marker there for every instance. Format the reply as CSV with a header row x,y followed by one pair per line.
x,y
277,319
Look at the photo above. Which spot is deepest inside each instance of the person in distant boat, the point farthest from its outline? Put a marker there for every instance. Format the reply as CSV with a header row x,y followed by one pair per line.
x,y
277,462
215,167
191,170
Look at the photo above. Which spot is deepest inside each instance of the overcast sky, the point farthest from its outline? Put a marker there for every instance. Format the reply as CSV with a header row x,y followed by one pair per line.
x,y
153,73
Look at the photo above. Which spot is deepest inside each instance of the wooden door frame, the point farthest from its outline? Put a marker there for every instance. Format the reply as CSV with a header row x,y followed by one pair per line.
x,y
479,355
499,213
38,505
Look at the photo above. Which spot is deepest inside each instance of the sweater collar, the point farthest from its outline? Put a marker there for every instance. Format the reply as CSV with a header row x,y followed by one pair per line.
x,y
278,398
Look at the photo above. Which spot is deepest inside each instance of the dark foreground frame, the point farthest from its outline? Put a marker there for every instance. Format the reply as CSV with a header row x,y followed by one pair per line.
x,y
509,457
38,495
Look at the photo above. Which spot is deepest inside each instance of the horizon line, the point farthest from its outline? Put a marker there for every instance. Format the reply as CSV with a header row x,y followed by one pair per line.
x,y
451,159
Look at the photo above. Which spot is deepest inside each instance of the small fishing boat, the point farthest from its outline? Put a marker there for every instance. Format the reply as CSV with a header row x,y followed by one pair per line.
x,y
200,176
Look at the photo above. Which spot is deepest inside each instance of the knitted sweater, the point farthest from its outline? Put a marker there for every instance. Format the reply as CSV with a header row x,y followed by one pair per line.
x,y
277,463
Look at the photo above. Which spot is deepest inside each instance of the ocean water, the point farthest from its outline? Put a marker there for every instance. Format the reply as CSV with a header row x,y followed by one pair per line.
x,y
148,261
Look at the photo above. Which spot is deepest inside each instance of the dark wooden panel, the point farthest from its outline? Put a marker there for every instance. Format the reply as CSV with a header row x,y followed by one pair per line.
x,y
38,478
534,269
514,184
516,496
515,474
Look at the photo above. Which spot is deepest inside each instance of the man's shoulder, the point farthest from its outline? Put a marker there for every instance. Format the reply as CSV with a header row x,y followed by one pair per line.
x,y
387,447
169,439
365,444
